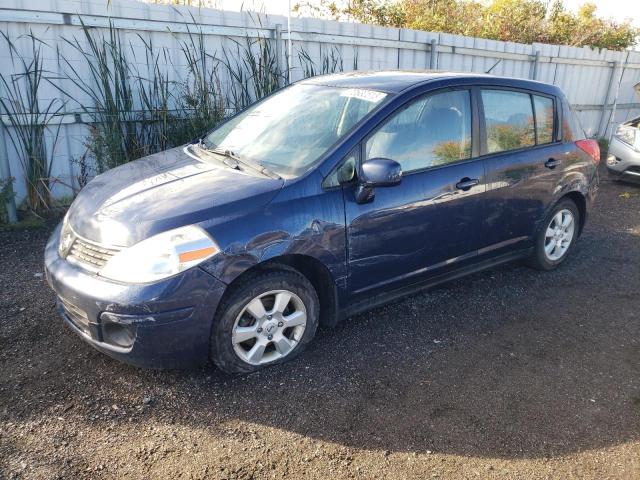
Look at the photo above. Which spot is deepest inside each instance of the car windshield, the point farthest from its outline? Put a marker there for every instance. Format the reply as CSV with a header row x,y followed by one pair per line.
x,y
290,130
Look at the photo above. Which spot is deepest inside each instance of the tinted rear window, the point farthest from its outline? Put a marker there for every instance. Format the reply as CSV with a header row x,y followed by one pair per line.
x,y
508,120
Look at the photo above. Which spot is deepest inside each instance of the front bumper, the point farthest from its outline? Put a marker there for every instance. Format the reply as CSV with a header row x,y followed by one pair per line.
x,y
165,324
623,161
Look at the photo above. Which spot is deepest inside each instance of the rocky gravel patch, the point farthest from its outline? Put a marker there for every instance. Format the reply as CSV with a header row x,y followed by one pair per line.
x,y
510,373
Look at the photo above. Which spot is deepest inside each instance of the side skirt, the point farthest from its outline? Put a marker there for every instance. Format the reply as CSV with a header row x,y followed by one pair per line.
x,y
376,300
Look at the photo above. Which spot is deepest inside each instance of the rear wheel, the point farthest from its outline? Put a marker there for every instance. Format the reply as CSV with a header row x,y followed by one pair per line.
x,y
557,237
267,319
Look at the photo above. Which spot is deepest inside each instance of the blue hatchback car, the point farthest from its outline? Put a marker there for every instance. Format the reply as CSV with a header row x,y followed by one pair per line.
x,y
327,198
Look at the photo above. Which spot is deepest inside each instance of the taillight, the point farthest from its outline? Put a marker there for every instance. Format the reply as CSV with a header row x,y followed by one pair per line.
x,y
591,148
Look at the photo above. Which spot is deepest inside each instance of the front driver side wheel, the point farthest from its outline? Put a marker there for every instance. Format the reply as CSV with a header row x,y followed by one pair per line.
x,y
268,318
557,236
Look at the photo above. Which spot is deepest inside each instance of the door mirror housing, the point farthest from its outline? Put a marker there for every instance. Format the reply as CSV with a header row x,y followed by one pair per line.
x,y
381,172
377,172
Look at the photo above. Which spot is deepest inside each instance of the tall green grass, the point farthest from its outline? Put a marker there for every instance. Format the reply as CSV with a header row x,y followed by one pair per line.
x,y
198,96
330,61
32,119
6,194
139,99
113,130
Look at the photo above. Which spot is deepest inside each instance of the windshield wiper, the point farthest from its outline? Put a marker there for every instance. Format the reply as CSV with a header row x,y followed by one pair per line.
x,y
234,161
228,159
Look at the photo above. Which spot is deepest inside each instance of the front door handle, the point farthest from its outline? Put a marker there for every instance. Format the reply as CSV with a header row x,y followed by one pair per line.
x,y
466,183
552,163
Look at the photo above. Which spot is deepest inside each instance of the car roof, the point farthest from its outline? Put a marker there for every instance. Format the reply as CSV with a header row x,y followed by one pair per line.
x,y
396,81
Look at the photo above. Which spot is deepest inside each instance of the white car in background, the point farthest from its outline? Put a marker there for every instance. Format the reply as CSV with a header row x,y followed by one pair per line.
x,y
623,160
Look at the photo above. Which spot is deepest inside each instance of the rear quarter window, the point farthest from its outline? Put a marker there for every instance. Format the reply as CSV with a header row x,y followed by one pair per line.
x,y
544,119
571,128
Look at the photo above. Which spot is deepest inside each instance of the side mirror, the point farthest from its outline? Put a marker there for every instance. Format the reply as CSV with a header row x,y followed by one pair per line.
x,y
381,172
377,172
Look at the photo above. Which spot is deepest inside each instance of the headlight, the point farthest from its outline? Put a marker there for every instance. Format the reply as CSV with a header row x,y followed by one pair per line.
x,y
630,135
66,237
161,256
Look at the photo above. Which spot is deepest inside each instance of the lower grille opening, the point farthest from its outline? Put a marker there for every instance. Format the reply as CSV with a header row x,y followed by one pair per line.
x,y
119,335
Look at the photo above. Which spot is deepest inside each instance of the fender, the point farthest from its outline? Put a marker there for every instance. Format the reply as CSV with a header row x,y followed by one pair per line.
x,y
296,222
582,178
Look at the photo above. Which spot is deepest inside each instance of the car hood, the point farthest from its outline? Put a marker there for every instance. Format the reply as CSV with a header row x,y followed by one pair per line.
x,y
163,191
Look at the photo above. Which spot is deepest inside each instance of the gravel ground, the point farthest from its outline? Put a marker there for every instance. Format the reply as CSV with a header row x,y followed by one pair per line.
x,y
510,373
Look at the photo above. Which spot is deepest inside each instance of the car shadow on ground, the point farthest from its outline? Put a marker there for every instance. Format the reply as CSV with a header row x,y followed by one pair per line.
x,y
545,370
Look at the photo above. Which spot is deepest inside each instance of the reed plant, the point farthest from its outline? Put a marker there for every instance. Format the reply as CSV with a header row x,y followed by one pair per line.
x,y
198,96
155,96
139,99
110,89
31,119
330,61
252,68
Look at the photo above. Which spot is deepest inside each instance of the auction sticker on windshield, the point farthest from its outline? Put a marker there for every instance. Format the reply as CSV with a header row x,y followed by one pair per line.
x,y
362,94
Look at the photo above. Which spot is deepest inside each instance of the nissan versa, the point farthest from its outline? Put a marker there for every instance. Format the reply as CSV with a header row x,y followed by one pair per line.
x,y
329,197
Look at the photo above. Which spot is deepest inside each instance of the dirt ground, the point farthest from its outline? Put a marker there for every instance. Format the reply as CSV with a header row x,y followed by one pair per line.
x,y
510,373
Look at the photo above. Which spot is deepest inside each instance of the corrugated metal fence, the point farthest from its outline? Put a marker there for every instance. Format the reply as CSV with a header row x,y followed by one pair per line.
x,y
593,80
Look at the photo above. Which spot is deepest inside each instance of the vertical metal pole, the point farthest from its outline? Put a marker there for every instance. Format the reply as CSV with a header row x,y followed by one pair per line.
x,y
279,54
433,57
5,174
534,66
603,113
289,47
399,49
612,116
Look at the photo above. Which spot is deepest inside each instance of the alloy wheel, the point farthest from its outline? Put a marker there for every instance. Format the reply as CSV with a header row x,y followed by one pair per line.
x,y
269,327
559,235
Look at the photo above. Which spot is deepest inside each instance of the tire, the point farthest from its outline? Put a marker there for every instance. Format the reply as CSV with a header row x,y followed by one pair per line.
x,y
541,258
266,308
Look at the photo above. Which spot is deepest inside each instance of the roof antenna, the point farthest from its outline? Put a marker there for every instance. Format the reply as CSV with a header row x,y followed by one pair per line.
x,y
494,66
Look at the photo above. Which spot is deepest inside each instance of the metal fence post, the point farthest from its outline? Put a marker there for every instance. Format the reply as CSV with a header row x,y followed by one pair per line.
x,y
399,48
433,55
5,174
534,66
612,115
279,54
605,103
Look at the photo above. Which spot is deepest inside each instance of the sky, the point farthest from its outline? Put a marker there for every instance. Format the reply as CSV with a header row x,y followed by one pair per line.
x,y
618,10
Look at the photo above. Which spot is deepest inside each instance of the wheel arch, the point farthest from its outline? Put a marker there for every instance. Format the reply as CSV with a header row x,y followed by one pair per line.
x,y
581,202
312,269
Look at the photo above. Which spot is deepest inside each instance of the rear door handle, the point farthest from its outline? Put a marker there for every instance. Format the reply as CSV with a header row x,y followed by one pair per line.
x,y
466,183
552,163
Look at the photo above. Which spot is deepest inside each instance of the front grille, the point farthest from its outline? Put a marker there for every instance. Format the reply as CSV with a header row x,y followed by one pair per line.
x,y
89,255
77,316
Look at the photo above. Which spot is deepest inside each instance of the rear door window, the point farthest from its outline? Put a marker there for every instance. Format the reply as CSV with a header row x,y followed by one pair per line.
x,y
509,120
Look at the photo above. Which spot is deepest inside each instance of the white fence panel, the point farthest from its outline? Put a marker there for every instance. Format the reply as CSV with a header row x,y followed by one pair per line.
x,y
593,80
